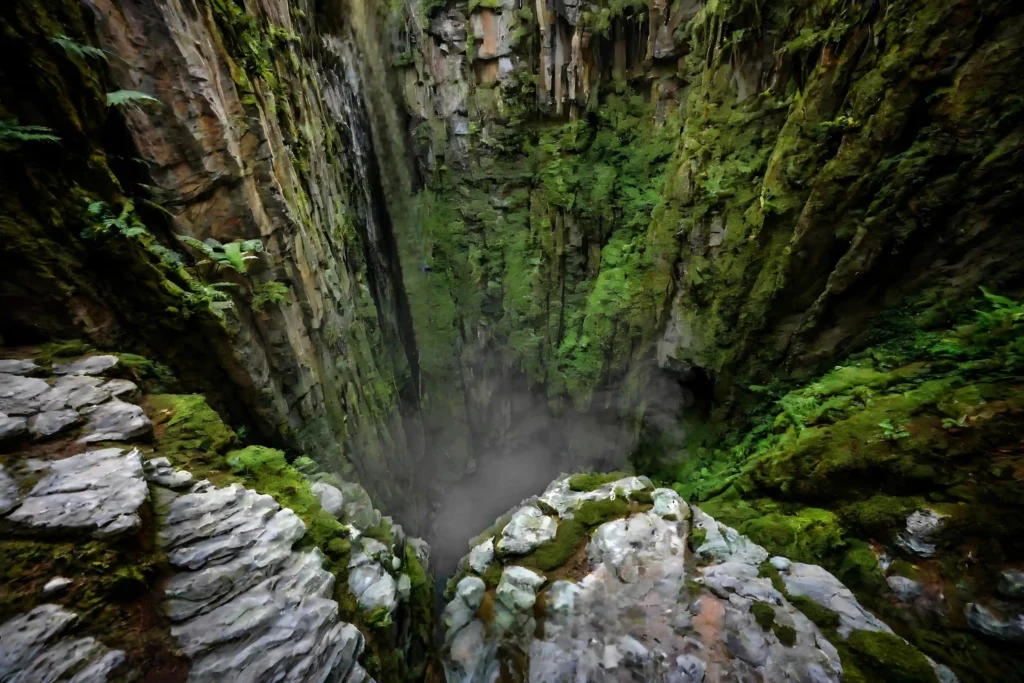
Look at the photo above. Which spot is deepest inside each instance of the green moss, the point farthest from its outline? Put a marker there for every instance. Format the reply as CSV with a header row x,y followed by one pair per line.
x,y
592,481
595,512
697,537
154,377
379,618
492,575
880,515
764,614
889,657
785,634
643,497
822,616
51,352
572,534
189,424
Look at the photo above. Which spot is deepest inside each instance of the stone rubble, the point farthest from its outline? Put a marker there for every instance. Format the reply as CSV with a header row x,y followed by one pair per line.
x,y
34,648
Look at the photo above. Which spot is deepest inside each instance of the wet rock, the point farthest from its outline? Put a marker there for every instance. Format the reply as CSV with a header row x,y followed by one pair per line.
x,y
97,492
404,587
160,472
116,421
495,31
667,503
1006,622
724,543
624,544
90,365
358,509
52,422
373,587
10,494
12,428
20,396
816,583
481,556
469,594
56,585
33,649
905,590
331,499
528,528
517,589
243,604
563,499
17,366
920,534
1011,584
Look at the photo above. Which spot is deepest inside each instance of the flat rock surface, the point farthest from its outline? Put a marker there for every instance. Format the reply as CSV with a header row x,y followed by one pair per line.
x,y
17,366
90,365
33,649
243,604
98,492
116,420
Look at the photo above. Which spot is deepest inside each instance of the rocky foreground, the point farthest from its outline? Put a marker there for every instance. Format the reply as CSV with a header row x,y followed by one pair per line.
x,y
241,595
617,581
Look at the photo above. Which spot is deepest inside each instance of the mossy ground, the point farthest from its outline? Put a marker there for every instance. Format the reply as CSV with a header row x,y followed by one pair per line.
x,y
828,470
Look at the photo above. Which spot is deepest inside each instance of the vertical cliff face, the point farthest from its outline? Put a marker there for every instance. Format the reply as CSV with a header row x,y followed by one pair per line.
x,y
729,189
256,142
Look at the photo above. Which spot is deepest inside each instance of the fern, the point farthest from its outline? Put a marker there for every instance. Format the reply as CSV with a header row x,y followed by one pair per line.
x,y
271,292
76,49
11,131
233,254
130,98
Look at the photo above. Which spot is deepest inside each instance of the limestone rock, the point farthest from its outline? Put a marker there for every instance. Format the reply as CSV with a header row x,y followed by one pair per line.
x,y
495,31
33,650
358,508
517,589
243,604
905,590
563,499
160,472
97,492
1005,623
56,585
21,395
421,550
528,528
919,536
668,503
17,366
469,594
481,556
818,584
90,365
12,427
116,420
10,495
331,499
52,422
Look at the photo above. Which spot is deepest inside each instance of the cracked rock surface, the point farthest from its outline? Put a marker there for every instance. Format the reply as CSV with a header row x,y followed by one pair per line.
x,y
243,604
641,603
34,647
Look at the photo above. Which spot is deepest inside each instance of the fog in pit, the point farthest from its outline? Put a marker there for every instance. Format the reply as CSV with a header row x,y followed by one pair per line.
x,y
523,446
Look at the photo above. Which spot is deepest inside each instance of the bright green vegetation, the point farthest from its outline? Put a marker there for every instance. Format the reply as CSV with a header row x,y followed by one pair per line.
x,y
763,613
550,555
883,656
597,512
192,435
923,418
592,481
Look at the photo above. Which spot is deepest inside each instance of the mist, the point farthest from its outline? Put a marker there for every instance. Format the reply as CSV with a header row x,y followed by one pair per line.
x,y
521,445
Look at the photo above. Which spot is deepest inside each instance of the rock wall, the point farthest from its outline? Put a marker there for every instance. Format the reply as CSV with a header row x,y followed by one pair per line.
x,y
733,189
256,137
